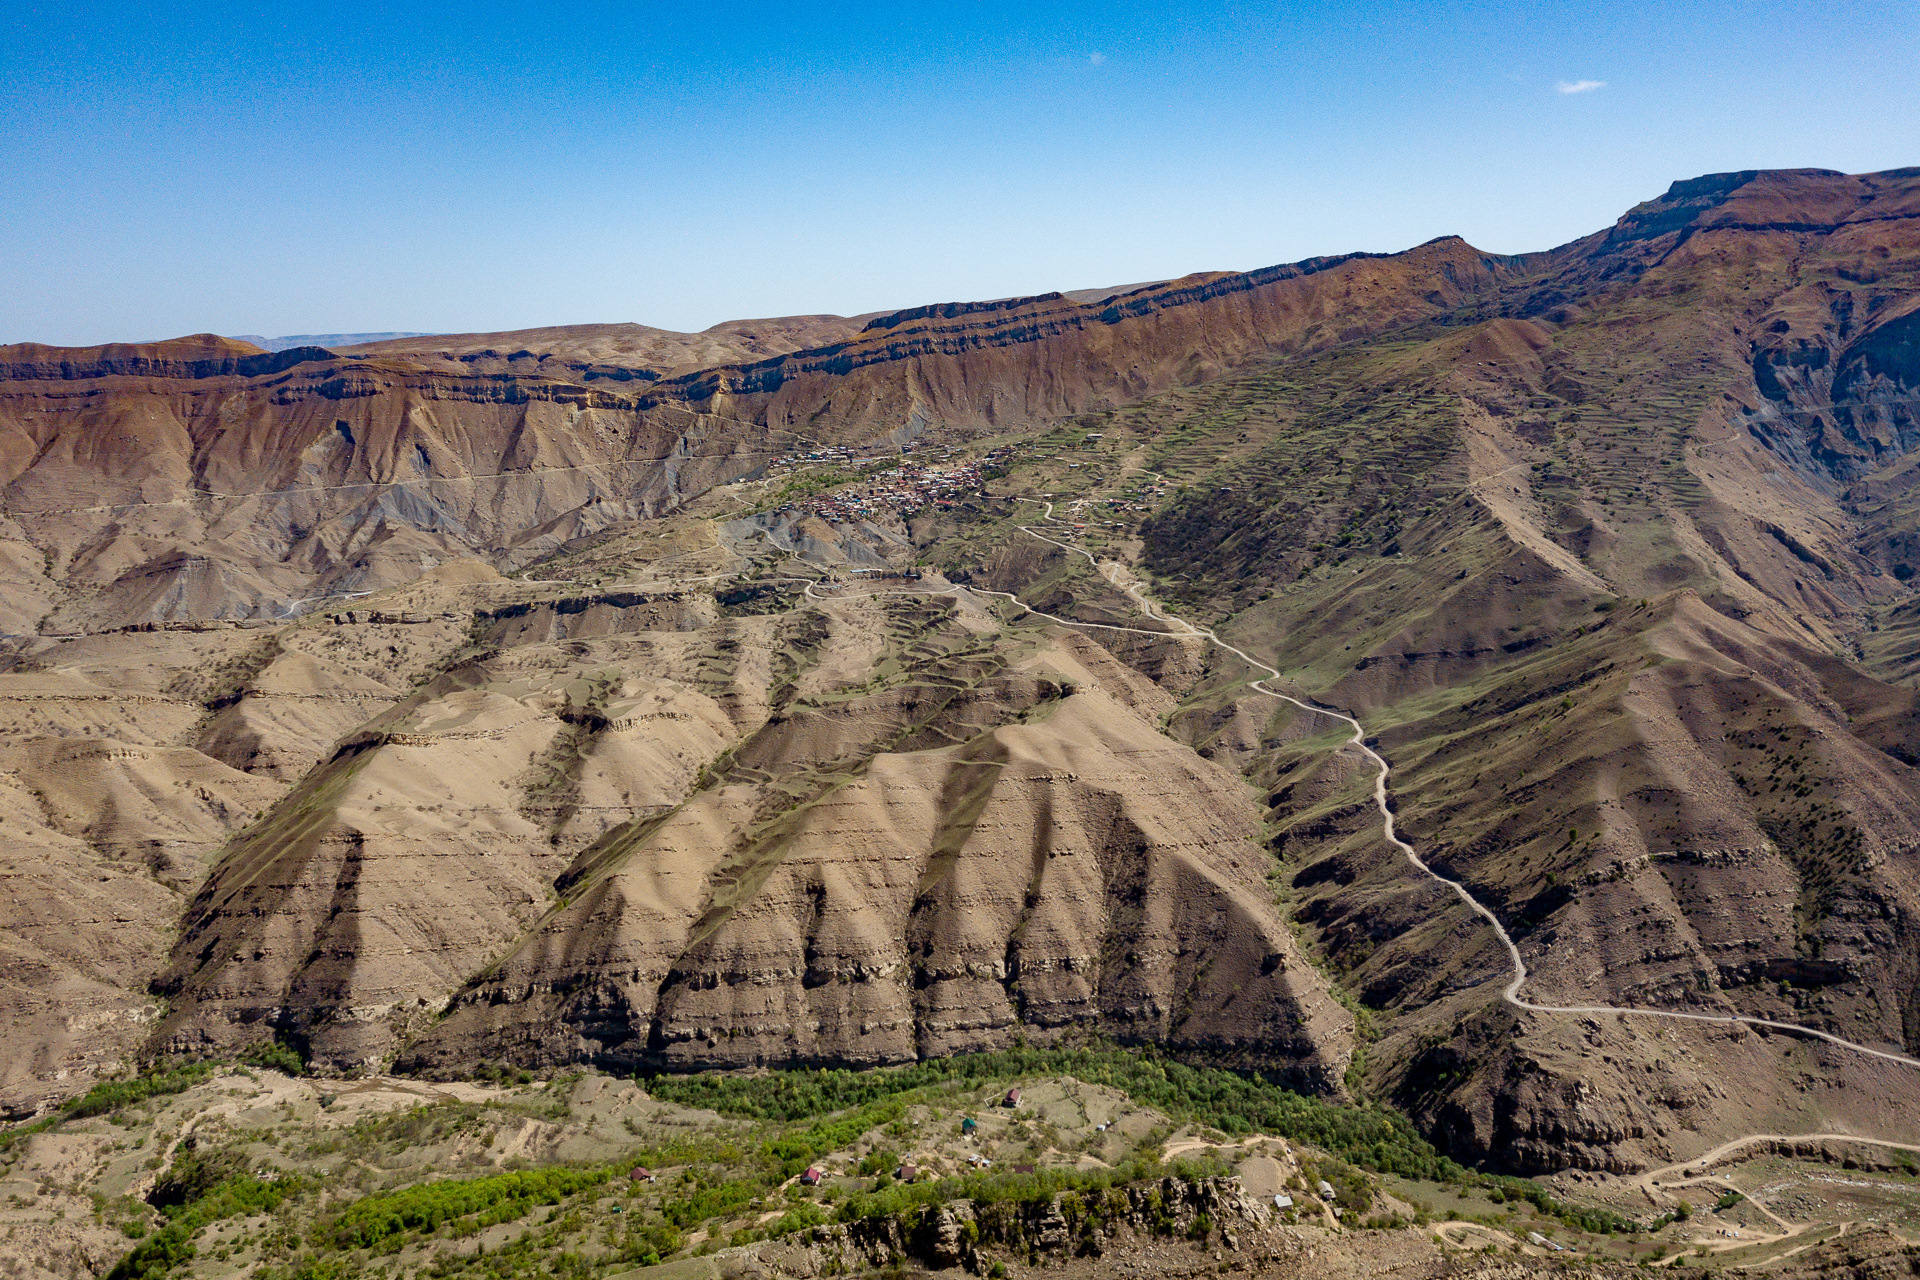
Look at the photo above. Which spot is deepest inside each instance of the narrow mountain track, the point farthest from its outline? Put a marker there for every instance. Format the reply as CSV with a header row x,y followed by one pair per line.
x,y
1704,1161
1722,1182
1118,576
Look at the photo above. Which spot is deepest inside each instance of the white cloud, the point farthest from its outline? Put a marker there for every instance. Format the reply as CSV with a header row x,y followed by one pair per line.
x,y
1097,59
1580,86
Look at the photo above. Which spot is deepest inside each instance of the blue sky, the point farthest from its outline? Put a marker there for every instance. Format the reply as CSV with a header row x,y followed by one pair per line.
x,y
168,169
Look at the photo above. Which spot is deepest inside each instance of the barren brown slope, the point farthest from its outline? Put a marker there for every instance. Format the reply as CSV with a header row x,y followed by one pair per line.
x,y
110,818
162,488
1593,578
635,346
764,858
200,355
1590,540
1021,360
203,478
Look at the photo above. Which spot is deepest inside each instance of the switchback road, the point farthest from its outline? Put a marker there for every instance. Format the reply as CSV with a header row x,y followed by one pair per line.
x,y
1119,577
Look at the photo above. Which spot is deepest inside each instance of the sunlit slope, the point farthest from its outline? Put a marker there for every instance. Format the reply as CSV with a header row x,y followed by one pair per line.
x,y
1601,627
892,830
1608,549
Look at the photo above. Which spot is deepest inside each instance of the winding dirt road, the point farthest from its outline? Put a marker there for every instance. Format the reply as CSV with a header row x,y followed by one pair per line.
x,y
1701,1163
1119,577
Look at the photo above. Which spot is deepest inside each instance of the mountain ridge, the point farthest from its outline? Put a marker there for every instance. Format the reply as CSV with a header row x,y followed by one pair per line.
x,y
1608,547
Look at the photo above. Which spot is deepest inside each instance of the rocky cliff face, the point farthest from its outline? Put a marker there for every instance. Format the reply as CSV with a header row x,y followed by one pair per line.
x,y
1057,1228
171,487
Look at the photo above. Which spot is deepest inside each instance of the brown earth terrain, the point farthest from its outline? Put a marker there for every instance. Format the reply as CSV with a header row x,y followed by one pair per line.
x,y
500,698
582,347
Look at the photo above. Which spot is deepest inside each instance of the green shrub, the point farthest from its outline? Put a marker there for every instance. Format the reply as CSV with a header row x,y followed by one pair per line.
x,y
276,1057
489,1201
111,1095
1234,1103
200,1188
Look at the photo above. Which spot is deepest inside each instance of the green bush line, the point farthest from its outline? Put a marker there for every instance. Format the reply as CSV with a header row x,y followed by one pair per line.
x,y
704,1199
1004,1211
1237,1104
366,1223
108,1096
111,1095
499,1197
827,1110
1004,1188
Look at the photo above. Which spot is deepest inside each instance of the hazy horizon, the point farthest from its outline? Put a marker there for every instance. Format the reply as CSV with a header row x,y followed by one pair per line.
x,y
368,168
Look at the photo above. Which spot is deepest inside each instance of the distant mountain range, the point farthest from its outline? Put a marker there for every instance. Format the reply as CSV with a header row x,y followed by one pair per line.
x,y
288,341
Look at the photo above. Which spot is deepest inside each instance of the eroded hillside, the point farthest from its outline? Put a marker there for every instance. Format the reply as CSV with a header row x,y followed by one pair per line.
x,y
1607,548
